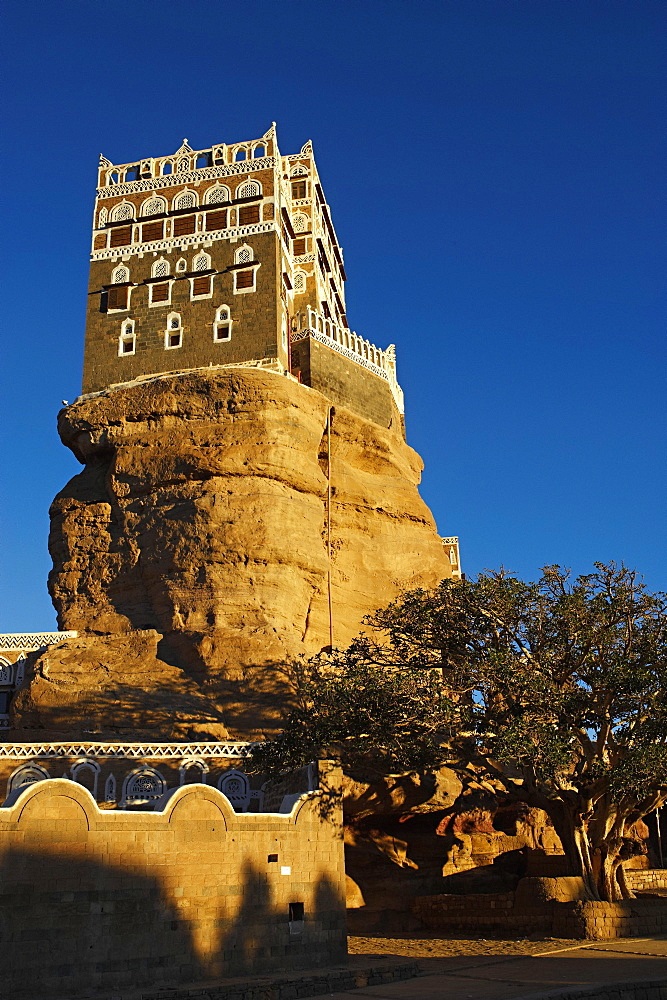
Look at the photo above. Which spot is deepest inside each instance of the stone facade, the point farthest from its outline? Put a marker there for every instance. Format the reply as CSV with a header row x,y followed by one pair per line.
x,y
220,257
189,891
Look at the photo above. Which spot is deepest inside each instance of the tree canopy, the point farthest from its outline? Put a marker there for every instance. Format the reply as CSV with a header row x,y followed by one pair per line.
x,y
555,689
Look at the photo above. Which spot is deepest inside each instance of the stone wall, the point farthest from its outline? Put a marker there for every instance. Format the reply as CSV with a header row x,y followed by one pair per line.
x,y
505,914
107,900
648,880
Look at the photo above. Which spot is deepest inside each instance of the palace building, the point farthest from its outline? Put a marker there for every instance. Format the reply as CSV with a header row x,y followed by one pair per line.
x,y
226,256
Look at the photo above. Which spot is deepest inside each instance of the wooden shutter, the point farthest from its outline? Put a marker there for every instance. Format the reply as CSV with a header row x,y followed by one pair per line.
x,y
100,241
160,292
117,297
201,286
216,220
121,236
184,225
299,247
244,279
248,214
152,231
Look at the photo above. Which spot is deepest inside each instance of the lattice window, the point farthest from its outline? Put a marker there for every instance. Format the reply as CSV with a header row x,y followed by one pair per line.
x,y
183,164
300,223
251,189
185,200
120,274
244,255
154,206
143,786
216,194
27,774
122,212
160,268
110,789
202,262
236,786
102,218
299,282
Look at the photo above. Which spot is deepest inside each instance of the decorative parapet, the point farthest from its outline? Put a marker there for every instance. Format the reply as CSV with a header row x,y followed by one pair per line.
x,y
231,750
354,347
28,642
187,242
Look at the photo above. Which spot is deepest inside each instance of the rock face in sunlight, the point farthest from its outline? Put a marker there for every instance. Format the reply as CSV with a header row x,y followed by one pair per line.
x,y
216,510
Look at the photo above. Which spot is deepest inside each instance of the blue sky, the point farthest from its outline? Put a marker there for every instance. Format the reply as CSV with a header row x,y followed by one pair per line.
x,y
493,172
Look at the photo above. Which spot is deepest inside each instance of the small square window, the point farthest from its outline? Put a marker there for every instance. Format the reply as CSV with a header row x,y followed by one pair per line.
x,y
174,338
223,331
245,279
299,189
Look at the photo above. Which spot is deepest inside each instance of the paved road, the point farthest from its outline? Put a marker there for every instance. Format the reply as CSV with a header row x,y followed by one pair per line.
x,y
493,978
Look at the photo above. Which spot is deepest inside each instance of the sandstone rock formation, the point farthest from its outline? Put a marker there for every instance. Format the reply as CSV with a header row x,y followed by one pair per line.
x,y
203,515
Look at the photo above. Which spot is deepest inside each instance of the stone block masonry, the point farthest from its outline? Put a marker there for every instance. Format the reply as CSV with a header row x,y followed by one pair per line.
x,y
112,900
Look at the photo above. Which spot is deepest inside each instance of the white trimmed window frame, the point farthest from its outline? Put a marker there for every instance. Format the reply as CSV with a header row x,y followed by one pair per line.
x,y
171,330
130,793
200,272
127,336
217,187
181,264
124,217
120,276
300,278
192,195
149,215
87,765
157,266
222,322
163,302
255,185
32,770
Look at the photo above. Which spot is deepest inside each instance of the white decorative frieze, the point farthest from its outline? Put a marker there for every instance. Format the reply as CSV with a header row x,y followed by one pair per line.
x,y
230,750
30,641
184,242
189,177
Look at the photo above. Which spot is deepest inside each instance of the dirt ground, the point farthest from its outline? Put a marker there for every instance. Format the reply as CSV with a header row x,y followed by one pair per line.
x,y
422,945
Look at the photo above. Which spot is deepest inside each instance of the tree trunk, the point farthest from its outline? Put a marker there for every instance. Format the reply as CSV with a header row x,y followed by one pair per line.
x,y
573,835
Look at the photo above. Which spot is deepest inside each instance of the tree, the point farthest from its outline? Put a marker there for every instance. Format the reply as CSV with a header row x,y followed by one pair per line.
x,y
555,690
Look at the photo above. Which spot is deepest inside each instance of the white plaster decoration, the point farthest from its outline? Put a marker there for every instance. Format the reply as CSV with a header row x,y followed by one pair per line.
x,y
19,667
29,642
236,786
27,774
160,268
193,177
120,274
153,206
110,789
187,199
127,341
229,750
244,255
142,785
122,212
183,164
6,672
300,223
250,189
218,194
183,242
202,262
102,218
301,202
299,282
300,171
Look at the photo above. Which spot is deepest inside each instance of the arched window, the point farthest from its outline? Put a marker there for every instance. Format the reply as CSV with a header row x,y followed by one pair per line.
x,y
102,218
258,151
299,282
127,342
250,189
299,171
239,155
122,212
201,287
182,264
86,773
154,206
244,255
300,223
166,168
193,770
160,268
110,789
118,295
236,786
217,194
202,262
186,199
27,774
173,335
120,274
142,786
222,326
6,671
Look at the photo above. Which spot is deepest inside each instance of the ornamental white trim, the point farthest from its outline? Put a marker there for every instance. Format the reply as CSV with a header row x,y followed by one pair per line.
x,y
229,750
184,242
31,641
192,177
